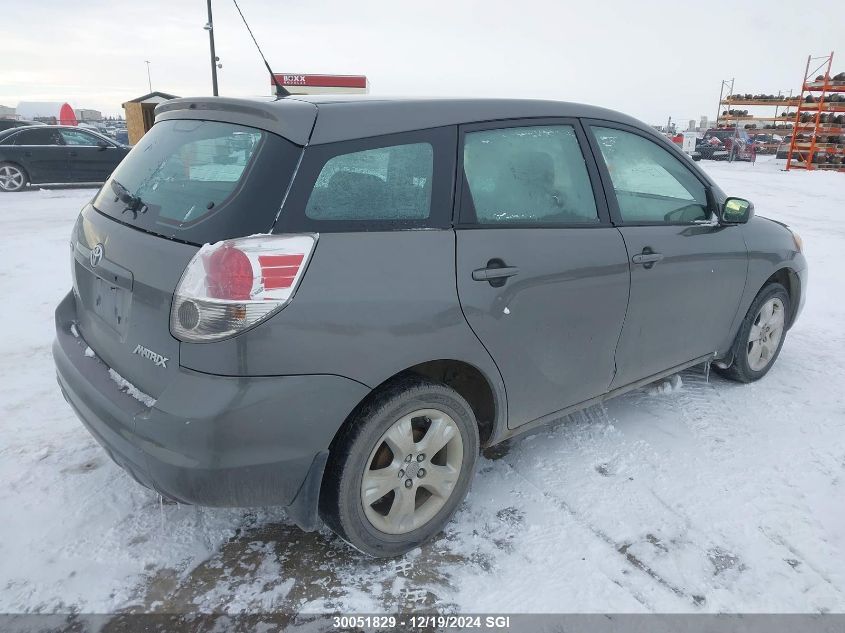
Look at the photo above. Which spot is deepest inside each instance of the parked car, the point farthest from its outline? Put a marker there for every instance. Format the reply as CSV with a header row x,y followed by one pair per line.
x,y
334,309
766,143
56,154
726,144
8,124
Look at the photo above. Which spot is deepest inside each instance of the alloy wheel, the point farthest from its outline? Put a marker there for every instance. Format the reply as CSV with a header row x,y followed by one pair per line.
x,y
11,178
412,471
765,335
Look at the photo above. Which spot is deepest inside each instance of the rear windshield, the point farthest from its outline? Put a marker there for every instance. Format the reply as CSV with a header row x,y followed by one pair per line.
x,y
201,181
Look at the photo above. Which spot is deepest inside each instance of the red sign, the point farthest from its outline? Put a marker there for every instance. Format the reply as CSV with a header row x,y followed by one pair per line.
x,y
321,81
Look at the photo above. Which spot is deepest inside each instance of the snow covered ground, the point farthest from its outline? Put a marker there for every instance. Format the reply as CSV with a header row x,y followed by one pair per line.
x,y
700,496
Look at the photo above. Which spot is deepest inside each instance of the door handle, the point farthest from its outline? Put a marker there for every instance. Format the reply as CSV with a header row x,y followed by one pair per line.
x,y
647,258
73,153
486,274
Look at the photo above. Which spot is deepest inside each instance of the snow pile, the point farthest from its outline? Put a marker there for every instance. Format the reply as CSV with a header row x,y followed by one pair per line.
x,y
669,385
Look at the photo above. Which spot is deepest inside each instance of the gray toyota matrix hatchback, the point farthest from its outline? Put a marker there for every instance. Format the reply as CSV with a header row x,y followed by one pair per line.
x,y
332,304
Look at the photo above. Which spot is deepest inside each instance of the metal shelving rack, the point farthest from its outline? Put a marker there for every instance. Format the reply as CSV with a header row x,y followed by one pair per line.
x,y
736,121
802,152
785,102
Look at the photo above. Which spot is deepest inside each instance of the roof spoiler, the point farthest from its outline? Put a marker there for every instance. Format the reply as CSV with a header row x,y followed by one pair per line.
x,y
291,118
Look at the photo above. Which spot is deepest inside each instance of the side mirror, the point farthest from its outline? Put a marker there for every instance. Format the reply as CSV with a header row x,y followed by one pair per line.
x,y
102,145
737,211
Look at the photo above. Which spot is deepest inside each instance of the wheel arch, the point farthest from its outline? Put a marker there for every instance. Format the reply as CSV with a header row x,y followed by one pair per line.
x,y
790,280
786,277
465,378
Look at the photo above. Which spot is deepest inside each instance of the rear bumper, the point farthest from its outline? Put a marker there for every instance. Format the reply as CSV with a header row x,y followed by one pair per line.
x,y
211,440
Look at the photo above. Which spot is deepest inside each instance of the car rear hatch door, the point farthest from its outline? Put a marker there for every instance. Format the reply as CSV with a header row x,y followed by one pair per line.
x,y
185,184
123,282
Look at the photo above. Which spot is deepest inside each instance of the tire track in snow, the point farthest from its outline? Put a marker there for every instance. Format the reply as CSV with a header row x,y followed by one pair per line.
x,y
598,415
698,403
779,540
620,548
701,403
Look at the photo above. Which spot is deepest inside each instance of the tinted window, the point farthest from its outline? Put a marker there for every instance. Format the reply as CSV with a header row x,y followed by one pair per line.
x,y
191,180
387,183
75,137
531,175
651,184
39,136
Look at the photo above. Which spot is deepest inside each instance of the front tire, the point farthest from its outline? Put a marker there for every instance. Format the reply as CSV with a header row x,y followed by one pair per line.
x,y
12,177
401,466
761,335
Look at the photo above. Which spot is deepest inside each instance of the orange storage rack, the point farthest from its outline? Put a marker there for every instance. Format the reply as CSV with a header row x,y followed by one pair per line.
x,y
818,142
780,123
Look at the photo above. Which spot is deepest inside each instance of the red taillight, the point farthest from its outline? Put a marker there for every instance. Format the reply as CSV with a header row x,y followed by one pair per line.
x,y
279,271
233,284
228,274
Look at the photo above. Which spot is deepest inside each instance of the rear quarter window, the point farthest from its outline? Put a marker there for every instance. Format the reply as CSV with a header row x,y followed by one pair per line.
x,y
386,183
381,183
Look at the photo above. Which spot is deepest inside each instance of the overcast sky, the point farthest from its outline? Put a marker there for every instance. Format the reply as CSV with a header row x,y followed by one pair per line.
x,y
651,59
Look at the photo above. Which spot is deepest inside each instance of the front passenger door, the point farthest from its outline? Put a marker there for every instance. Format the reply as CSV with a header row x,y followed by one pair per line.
x,y
687,271
88,160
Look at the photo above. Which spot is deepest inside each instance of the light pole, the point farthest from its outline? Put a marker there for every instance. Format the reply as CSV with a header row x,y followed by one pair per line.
x,y
149,81
209,26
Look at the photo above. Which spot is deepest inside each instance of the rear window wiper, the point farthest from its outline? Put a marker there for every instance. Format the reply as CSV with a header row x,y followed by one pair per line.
x,y
133,203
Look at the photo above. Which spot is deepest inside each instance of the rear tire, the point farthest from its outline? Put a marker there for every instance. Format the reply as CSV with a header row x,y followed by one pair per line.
x,y
761,335
12,177
400,468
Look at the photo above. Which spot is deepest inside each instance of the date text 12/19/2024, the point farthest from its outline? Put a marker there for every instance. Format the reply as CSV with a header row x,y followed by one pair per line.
x,y
422,621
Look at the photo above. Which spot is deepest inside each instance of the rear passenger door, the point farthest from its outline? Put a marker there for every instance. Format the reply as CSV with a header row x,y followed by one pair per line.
x,y
687,271
542,274
42,153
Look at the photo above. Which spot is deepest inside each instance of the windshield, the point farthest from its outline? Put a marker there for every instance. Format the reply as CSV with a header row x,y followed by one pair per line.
x,y
200,181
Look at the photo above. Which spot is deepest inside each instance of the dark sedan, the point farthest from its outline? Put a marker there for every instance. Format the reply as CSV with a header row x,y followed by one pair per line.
x,y
56,154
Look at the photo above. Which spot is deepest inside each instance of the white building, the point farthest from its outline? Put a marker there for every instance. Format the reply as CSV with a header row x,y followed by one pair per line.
x,y
83,114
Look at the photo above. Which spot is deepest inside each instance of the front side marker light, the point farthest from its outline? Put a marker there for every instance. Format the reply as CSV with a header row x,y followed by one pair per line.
x,y
799,243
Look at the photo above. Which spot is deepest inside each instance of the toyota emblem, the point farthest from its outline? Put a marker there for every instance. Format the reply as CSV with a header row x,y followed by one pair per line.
x,y
96,255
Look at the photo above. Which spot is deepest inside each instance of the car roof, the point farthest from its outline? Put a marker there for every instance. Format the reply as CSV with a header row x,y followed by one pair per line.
x,y
315,119
22,128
